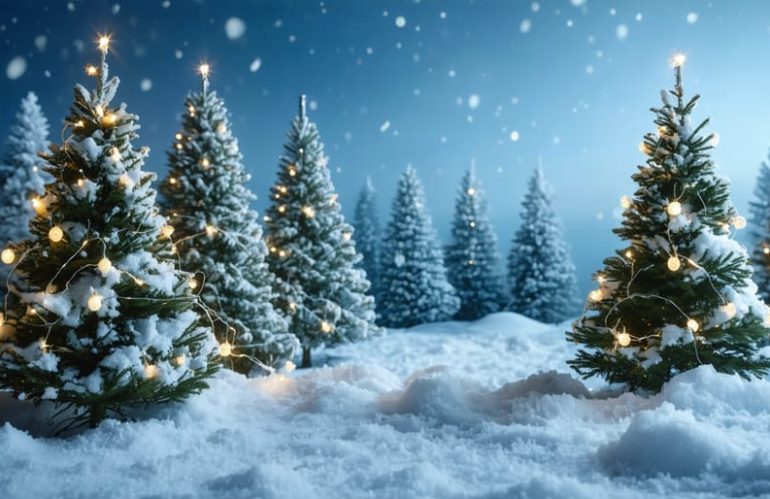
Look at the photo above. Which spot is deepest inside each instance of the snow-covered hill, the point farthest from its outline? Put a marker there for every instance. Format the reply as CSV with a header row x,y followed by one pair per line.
x,y
444,410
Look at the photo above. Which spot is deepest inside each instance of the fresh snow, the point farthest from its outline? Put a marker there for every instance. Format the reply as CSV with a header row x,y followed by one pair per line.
x,y
484,409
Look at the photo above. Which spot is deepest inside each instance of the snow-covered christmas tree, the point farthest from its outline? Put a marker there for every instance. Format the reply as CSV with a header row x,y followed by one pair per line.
x,y
97,318
413,277
21,174
541,276
367,234
311,250
760,231
219,238
680,293
472,259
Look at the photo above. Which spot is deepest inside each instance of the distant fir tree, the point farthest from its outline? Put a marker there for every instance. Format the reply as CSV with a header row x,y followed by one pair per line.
x,y
541,276
472,259
219,237
21,174
413,277
97,319
311,250
366,223
760,232
680,293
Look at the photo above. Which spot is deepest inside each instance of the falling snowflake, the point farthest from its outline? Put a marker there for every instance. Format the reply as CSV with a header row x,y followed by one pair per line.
x,y
692,18
514,136
384,127
525,26
399,259
145,85
621,32
473,101
400,21
235,28
255,65
16,67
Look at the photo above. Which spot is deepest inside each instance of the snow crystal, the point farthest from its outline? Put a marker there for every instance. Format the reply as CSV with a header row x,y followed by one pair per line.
x,y
16,68
535,7
621,32
515,136
255,65
385,125
692,17
235,28
473,101
40,42
116,9
525,26
578,3
178,54
145,84
400,21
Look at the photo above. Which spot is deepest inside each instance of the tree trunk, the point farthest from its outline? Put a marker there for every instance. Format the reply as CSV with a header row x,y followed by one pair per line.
x,y
306,362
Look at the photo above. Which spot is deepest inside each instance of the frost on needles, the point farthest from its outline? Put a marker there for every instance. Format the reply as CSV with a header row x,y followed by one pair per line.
x,y
680,293
219,238
97,318
311,248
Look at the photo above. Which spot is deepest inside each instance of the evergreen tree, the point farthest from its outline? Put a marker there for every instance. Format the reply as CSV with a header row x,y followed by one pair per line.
x,y
680,293
21,176
367,233
472,259
760,233
97,319
220,238
541,275
311,250
415,288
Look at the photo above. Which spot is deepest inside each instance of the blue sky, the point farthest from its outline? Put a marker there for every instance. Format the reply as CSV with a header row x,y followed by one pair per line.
x,y
434,84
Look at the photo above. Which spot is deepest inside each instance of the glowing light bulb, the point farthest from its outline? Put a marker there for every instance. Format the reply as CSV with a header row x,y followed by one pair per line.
x,y
81,182
282,209
674,208
282,189
625,202
172,181
204,70
55,234
31,310
150,371
292,171
766,250
282,254
125,181
79,124
205,162
346,236
308,211
225,349
179,147
326,327
596,295
644,148
2,319
37,204
95,302
104,265
178,136
693,325
662,130
99,110
166,231
729,309
629,254
109,119
191,109
601,279
739,222
139,282
115,154
273,249
193,283
180,359
8,256
673,263
472,224
623,339
471,191
211,231
222,129
104,43
678,60
91,70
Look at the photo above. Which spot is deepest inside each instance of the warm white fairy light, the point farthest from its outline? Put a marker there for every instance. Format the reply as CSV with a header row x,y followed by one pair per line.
x,y
139,282
625,202
178,136
623,339
205,163
346,236
31,310
104,265
693,325
601,279
125,181
326,327
225,349
99,110
193,283
739,222
79,124
282,209
222,128
179,147
180,359
91,70
172,181
292,171
471,191
766,250
472,224
37,204
674,208
2,319
273,249
104,43
629,254
211,231
282,189
150,371
95,302
673,263
115,154
55,234
166,231
729,309
191,109
282,253
662,130
8,256
204,70
678,60
596,295
308,211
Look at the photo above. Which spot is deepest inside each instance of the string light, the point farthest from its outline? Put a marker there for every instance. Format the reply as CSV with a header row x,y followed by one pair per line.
x,y
79,124
150,371
193,283
178,136
91,70
662,130
166,231
674,208
282,189
625,202
282,209
308,211
37,204
95,302
139,282
282,254
693,325
729,309
109,119
2,319
596,295
204,70
766,250
115,154
172,181
673,263
125,181
472,224
104,43
739,222
471,191
31,310
292,171
99,110
222,129
326,327
180,359
211,231
104,265
191,109
55,234
629,254
225,349
8,256
179,147
623,339
346,236
205,162
678,60
81,182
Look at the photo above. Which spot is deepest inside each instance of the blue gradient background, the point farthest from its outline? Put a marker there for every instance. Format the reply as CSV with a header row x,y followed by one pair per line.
x,y
585,127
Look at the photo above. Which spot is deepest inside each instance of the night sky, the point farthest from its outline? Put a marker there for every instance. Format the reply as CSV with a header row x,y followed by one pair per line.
x,y
434,84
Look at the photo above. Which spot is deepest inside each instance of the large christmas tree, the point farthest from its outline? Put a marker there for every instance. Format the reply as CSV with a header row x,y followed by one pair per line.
x,y
311,250
760,231
541,276
367,234
680,293
21,174
472,260
219,237
415,288
97,319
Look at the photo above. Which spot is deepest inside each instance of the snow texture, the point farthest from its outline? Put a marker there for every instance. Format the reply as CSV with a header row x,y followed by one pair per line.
x,y
484,426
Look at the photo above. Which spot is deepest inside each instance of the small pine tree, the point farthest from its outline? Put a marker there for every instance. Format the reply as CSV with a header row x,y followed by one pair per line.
x,y
541,275
21,172
680,294
97,319
367,233
220,238
415,288
472,259
760,233
311,250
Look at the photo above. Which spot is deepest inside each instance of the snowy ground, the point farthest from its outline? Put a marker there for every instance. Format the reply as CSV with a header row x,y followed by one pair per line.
x,y
446,410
